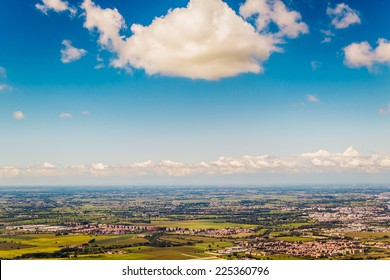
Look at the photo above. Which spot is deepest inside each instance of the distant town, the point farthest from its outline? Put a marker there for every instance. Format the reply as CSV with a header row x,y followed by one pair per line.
x,y
328,222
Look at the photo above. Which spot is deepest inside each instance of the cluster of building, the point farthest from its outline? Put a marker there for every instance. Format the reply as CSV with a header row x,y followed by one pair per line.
x,y
98,229
300,249
38,228
92,228
348,214
353,219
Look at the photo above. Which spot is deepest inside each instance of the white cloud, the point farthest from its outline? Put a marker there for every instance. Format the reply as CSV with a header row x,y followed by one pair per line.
x,y
47,165
205,40
350,151
70,53
382,52
359,54
9,172
108,22
319,153
350,159
100,169
343,16
65,115
385,163
18,115
363,55
312,99
99,166
85,113
267,11
100,64
321,161
145,164
56,6
328,35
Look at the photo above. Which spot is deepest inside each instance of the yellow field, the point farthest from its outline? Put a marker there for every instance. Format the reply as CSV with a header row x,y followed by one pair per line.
x,y
48,243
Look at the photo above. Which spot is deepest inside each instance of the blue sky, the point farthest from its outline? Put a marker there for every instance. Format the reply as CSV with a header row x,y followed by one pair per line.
x,y
198,95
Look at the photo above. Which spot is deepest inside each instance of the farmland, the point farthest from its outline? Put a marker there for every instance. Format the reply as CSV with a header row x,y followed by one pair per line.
x,y
194,223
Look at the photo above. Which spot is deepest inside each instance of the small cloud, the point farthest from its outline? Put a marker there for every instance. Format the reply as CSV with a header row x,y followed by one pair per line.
x,y
47,165
363,55
384,111
315,65
312,99
65,115
319,153
85,113
9,171
343,16
100,64
56,6
288,22
328,35
18,115
351,152
70,53
99,166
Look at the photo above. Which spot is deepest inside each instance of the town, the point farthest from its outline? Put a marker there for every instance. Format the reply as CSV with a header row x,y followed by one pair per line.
x,y
195,222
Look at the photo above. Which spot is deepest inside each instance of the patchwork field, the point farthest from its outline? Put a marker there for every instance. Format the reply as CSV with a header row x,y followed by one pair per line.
x,y
194,223
49,243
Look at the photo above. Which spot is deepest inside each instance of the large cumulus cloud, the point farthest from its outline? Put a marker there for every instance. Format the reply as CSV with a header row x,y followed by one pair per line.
x,y
204,40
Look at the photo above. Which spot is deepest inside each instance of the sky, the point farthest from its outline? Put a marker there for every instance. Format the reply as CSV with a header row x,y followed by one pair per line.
x,y
100,92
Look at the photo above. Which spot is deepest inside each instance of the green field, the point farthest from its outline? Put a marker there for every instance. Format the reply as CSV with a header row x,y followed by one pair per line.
x,y
153,253
14,246
368,235
184,239
213,245
192,222
294,225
